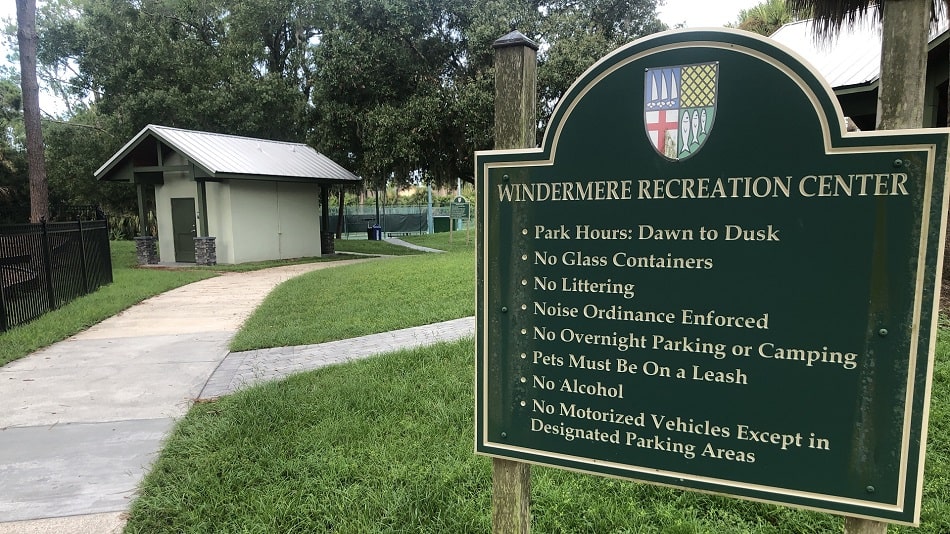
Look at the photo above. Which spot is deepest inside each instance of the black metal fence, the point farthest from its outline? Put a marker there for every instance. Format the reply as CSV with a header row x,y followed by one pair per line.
x,y
46,265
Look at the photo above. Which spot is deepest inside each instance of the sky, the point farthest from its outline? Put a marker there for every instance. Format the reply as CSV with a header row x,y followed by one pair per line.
x,y
701,13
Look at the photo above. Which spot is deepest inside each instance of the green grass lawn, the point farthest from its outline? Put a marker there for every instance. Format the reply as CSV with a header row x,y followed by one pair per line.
x,y
368,298
385,445
381,248
130,286
456,242
258,265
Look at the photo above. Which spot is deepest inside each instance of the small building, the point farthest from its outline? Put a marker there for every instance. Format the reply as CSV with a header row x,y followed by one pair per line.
x,y
247,199
851,63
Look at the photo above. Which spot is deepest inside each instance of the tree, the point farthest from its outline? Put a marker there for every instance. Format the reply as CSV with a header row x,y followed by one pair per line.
x,y
209,65
14,183
239,68
406,89
577,34
904,40
27,40
765,18
904,29
391,89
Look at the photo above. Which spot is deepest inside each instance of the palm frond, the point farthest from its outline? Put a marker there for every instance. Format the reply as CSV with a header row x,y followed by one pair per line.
x,y
829,15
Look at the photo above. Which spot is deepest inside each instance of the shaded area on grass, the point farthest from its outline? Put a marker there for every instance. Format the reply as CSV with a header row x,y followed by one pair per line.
x,y
385,445
362,299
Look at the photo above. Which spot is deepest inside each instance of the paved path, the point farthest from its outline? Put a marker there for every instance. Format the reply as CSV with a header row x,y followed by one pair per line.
x,y
400,242
82,420
241,369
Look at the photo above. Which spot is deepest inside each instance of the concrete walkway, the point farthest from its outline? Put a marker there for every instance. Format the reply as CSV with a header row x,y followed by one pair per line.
x,y
81,421
400,242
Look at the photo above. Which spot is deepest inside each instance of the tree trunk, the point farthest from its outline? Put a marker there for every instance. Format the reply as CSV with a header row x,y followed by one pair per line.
x,y
905,29
27,40
904,32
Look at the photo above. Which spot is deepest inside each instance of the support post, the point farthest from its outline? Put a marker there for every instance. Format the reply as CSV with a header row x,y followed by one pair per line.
x,y
324,207
48,266
140,196
905,30
327,245
82,257
511,497
203,206
516,89
857,525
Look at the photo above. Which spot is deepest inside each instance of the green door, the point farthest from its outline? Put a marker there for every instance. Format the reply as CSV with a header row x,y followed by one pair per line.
x,y
183,227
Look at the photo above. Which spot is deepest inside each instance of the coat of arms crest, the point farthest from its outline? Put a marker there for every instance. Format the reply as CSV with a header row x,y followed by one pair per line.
x,y
679,106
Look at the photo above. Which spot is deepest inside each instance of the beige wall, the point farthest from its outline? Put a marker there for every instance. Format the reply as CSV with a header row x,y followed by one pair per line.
x,y
250,220
298,220
274,220
253,210
218,195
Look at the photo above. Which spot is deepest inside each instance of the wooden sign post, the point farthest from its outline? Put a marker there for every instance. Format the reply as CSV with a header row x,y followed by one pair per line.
x,y
516,82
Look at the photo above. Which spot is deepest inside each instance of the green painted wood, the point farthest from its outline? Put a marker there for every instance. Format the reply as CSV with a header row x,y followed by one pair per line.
x,y
203,206
183,229
748,313
905,36
140,200
162,168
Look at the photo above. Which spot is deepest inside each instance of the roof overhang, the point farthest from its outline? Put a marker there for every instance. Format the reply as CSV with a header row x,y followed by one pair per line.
x,y
849,61
216,157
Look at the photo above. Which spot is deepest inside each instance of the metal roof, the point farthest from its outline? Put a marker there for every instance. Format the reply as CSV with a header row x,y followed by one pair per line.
x,y
220,154
850,59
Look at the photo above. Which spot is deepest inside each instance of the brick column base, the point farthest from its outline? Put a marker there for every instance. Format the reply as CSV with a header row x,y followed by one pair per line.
x,y
327,245
146,250
205,251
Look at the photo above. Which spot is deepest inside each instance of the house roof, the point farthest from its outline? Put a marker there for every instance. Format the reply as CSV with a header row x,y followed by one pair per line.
x,y
230,156
852,59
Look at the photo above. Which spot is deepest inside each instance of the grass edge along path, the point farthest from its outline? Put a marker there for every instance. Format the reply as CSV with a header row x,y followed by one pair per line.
x,y
130,286
367,298
385,445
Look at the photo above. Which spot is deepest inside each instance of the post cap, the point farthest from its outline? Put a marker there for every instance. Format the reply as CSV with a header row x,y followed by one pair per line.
x,y
514,38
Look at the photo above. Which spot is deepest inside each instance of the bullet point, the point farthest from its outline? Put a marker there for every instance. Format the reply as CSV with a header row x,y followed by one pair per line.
x,y
523,355
523,403
524,232
524,331
524,282
523,380
524,257
524,306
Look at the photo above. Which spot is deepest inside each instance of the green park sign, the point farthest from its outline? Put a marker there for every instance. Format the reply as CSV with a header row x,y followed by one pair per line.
x,y
701,280
459,208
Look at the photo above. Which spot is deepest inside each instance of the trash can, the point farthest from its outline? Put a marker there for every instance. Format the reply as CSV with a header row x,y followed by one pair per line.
x,y
374,233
